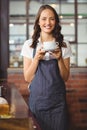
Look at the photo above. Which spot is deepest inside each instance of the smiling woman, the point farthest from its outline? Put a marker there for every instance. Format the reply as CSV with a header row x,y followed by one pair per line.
x,y
46,70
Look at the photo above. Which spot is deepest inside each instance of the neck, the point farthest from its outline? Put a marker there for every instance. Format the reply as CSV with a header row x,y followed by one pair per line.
x,y
45,37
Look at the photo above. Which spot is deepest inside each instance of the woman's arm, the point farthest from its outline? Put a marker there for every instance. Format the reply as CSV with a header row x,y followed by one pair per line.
x,y
64,64
64,67
30,65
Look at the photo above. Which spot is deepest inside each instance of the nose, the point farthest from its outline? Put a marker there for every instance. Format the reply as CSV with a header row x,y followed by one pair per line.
x,y
48,21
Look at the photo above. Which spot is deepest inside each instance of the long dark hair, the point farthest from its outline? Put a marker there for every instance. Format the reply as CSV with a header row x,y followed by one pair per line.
x,y
56,31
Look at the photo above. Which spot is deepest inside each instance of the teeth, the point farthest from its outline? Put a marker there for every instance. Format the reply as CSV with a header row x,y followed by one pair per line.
x,y
47,27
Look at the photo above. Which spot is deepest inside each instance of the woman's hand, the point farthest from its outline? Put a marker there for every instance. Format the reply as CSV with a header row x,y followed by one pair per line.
x,y
39,54
57,53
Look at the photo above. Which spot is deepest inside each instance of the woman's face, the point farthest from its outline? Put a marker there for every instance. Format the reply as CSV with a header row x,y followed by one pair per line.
x,y
47,21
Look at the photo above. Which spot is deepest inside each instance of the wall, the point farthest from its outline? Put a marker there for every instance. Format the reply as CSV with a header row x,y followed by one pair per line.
x,y
4,37
76,88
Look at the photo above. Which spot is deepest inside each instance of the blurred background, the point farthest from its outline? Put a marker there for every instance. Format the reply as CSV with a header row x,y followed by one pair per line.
x,y
16,25
73,18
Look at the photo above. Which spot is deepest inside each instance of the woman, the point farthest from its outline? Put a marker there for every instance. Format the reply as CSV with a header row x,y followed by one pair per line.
x,y
46,71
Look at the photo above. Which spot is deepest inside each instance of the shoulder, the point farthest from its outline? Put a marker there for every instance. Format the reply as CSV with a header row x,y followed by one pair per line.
x,y
67,43
28,42
66,51
26,49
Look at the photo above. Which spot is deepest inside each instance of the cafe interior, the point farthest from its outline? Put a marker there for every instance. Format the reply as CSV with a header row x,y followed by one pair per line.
x,y
16,25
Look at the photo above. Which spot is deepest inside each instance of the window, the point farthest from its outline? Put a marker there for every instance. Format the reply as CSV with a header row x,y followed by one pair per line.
x,y
74,30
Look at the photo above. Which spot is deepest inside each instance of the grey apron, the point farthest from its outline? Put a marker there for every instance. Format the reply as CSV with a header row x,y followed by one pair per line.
x,y
47,99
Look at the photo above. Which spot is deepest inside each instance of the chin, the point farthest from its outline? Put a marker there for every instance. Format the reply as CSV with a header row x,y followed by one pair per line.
x,y
49,31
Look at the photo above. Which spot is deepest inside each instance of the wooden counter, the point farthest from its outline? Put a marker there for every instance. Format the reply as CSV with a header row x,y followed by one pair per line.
x,y
19,117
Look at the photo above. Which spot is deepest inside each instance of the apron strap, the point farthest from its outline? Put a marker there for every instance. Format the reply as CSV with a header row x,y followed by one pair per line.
x,y
34,51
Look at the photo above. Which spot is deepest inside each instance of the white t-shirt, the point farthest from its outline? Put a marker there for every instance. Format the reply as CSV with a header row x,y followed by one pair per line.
x,y
27,51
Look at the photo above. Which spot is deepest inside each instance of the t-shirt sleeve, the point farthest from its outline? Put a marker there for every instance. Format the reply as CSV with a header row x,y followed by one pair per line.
x,y
67,52
27,51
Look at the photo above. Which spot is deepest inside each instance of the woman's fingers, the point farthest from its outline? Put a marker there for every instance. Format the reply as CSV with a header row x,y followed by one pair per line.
x,y
40,54
57,53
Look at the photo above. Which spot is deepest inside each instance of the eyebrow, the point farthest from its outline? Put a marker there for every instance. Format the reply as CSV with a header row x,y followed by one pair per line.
x,y
46,17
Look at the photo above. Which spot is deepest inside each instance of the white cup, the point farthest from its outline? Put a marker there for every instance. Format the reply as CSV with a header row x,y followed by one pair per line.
x,y
50,45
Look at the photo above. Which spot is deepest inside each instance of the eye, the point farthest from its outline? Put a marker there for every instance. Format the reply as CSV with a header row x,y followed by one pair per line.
x,y
52,18
43,18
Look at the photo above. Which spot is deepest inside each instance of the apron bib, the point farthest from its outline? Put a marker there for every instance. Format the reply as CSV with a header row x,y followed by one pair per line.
x,y
47,99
